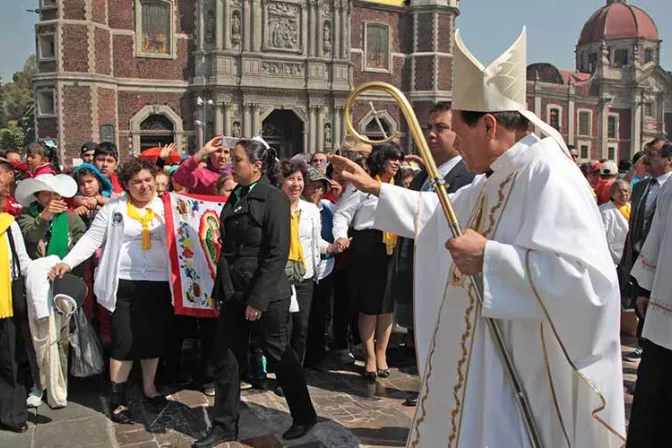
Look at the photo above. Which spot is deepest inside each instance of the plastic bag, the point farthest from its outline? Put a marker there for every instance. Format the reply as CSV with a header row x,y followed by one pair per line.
x,y
87,351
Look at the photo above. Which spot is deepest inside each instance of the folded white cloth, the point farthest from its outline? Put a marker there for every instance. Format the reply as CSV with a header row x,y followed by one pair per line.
x,y
294,302
38,286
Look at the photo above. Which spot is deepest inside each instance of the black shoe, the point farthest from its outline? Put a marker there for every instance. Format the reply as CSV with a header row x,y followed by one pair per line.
x,y
21,428
122,417
383,373
633,356
279,392
216,436
411,401
296,431
370,376
158,401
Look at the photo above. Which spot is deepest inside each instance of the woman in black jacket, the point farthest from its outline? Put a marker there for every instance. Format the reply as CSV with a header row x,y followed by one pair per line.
x,y
254,293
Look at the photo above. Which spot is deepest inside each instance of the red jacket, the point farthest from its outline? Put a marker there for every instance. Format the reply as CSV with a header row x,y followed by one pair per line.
x,y
44,169
116,186
11,206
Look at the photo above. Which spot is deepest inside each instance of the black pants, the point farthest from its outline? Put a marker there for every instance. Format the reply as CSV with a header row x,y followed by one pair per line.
x,y
317,325
344,324
13,394
233,335
651,410
298,328
206,329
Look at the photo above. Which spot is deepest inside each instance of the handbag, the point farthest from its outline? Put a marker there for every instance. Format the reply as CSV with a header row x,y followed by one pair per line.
x,y
295,270
19,303
87,351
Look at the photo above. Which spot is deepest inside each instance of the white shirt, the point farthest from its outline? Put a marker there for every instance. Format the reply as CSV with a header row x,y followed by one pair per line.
x,y
656,185
616,229
444,169
135,263
355,209
21,253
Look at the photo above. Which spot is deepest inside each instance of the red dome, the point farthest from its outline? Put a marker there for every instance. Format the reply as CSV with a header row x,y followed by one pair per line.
x,y
618,20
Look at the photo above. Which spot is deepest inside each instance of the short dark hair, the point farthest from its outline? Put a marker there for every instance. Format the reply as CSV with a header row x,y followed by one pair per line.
x,y
441,106
88,146
132,167
289,167
637,156
107,149
511,120
316,153
380,155
666,151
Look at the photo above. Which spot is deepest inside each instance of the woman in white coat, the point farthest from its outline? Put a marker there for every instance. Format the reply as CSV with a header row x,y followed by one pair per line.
x,y
615,217
132,280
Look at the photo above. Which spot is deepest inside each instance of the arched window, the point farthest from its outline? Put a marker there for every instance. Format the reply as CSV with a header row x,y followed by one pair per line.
x,y
554,118
154,28
373,130
156,130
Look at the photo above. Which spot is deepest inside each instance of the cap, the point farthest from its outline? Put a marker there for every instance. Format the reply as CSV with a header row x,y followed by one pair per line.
x,y
609,168
316,176
88,146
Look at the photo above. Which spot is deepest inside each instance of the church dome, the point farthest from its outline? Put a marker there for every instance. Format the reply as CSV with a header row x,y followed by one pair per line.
x,y
618,20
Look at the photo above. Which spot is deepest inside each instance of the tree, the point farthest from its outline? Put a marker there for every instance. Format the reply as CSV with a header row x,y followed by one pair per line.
x,y
12,138
18,93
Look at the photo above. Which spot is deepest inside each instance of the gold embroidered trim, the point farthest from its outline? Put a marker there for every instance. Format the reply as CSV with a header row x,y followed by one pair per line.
x,y
550,382
581,375
476,221
416,233
500,203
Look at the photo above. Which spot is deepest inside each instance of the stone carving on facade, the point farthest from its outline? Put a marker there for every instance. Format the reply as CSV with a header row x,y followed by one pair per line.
x,y
210,27
285,69
283,27
235,2
327,35
326,9
235,129
269,129
327,134
235,27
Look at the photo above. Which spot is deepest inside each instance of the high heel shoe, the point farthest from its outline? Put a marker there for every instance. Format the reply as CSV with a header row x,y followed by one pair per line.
x,y
383,373
369,376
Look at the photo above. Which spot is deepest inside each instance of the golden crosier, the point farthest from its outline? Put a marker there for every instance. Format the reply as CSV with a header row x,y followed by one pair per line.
x,y
442,193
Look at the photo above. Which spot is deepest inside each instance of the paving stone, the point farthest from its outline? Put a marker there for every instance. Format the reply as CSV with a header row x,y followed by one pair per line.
x,y
73,433
264,441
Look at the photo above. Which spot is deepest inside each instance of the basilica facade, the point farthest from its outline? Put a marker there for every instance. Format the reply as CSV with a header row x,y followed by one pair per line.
x,y
146,72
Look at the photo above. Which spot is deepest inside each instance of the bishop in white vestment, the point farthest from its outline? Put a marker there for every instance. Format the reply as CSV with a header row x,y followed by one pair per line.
x,y
548,280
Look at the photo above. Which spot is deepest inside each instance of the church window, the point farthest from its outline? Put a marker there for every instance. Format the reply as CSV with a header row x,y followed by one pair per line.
x,y
48,3
621,58
47,47
584,152
592,63
154,23
612,126
649,110
611,153
46,103
554,118
585,127
377,45
648,55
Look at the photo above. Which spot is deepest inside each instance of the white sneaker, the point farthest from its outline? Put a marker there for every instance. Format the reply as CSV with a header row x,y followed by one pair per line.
x,y
34,399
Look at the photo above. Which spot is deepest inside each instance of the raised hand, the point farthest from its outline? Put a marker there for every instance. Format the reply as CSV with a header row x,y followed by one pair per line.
x,y
214,145
167,150
355,174
53,208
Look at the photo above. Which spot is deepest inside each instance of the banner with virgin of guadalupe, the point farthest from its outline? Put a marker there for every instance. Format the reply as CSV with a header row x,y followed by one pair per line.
x,y
192,225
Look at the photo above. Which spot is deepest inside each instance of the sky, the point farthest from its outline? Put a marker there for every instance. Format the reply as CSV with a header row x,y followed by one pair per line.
x,y
488,28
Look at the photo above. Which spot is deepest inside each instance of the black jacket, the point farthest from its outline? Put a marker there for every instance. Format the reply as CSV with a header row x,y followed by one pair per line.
x,y
255,247
402,278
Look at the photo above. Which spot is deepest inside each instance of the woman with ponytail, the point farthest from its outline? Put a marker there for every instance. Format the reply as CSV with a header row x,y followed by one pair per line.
x,y
254,293
42,159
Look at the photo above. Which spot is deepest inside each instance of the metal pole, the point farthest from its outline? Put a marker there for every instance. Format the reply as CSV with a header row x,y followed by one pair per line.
x,y
375,117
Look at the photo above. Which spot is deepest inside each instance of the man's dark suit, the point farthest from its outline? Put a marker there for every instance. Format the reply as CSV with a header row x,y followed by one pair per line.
x,y
402,267
639,225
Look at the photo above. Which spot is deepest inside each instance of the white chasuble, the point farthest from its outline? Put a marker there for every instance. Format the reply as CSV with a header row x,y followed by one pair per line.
x,y
549,281
657,252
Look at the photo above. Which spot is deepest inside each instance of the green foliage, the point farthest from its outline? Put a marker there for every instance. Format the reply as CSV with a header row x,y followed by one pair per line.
x,y
18,93
12,138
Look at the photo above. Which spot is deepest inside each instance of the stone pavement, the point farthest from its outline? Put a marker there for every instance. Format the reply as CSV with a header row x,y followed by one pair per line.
x,y
352,414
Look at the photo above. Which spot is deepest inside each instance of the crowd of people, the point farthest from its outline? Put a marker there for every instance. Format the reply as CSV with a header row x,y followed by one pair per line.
x,y
303,271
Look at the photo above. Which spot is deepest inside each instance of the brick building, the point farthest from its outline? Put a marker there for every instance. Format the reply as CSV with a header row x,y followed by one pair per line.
x,y
619,97
143,72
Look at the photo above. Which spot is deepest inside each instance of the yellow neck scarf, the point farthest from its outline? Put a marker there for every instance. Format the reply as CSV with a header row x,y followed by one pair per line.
x,y
134,214
625,210
390,239
6,309
295,248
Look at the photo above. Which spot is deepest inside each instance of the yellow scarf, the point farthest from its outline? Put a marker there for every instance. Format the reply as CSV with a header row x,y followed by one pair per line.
x,y
390,239
134,214
295,248
625,210
6,309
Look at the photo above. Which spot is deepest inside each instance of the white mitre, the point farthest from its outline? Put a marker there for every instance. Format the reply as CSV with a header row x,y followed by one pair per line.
x,y
500,87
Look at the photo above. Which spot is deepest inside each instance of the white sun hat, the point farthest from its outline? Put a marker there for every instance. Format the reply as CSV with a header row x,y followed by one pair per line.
x,y
61,184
